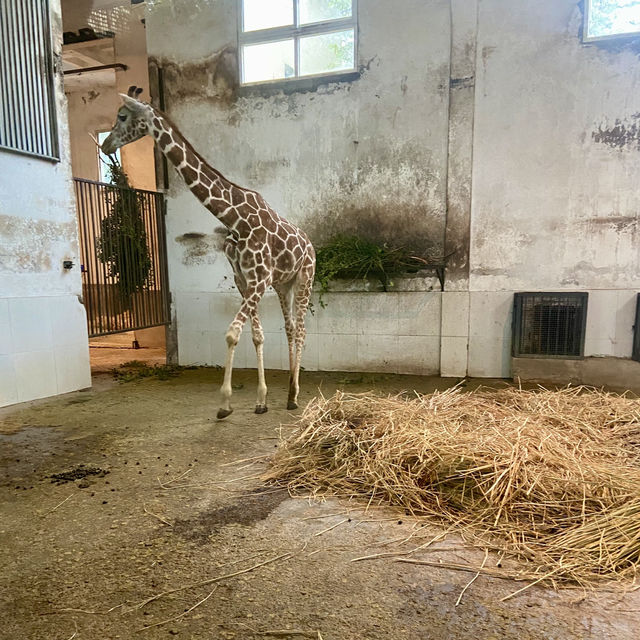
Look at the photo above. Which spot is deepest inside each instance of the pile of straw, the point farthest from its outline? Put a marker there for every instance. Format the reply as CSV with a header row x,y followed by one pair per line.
x,y
552,477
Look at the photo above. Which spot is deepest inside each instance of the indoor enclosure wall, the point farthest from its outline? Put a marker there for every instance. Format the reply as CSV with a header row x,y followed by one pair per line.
x,y
485,130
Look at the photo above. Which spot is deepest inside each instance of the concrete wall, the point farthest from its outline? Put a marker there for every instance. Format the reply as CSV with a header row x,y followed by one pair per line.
x,y
368,156
43,334
556,204
481,128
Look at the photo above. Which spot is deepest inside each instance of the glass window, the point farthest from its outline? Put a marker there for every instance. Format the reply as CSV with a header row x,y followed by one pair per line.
x,y
287,39
326,52
268,61
103,159
265,14
610,18
320,10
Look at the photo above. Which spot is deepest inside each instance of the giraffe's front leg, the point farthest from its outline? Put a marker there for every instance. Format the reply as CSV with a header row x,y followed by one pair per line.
x,y
232,338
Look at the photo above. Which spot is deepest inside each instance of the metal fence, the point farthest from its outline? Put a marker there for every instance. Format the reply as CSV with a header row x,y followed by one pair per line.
x,y
549,324
27,106
124,259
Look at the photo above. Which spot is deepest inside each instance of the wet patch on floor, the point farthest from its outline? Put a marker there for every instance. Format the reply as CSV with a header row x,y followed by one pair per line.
x,y
245,511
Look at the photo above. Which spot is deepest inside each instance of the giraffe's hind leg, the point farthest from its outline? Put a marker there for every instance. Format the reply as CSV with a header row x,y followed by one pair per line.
x,y
286,294
258,341
300,304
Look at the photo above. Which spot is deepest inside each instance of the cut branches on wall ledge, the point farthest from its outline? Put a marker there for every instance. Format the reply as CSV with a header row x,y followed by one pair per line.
x,y
352,257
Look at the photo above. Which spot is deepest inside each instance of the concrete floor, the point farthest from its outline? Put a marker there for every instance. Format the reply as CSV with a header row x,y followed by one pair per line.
x,y
173,503
111,351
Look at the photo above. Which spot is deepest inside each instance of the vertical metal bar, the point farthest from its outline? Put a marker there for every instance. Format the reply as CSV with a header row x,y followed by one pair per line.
x,y
31,83
162,250
112,301
52,129
10,68
19,37
47,77
4,74
146,287
95,195
40,117
82,215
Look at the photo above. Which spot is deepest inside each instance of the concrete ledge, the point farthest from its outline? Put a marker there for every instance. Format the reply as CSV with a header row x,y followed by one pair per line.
x,y
620,374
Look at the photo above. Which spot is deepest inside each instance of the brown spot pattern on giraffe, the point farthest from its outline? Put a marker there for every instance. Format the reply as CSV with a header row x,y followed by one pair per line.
x,y
263,248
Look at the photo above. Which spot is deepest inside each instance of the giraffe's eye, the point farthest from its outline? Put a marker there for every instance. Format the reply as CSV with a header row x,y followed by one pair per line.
x,y
122,117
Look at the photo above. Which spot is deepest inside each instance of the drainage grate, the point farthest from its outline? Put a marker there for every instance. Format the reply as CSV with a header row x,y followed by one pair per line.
x,y
549,324
636,332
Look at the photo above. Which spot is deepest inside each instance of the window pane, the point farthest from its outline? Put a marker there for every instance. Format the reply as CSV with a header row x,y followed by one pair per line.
x,y
268,61
264,14
319,10
612,17
104,175
326,52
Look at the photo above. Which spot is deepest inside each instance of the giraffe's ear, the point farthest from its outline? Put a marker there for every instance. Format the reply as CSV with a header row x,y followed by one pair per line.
x,y
131,103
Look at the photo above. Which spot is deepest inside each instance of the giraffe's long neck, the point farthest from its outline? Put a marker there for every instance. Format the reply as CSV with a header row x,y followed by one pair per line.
x,y
217,194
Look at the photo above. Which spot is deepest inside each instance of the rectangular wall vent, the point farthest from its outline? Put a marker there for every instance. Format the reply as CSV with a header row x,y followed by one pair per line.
x,y
550,325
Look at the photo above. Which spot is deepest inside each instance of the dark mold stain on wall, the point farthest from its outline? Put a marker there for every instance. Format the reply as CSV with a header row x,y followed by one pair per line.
x,y
393,225
214,79
623,133
201,248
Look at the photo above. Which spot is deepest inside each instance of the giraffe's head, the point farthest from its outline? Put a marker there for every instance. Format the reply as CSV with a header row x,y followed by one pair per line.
x,y
132,123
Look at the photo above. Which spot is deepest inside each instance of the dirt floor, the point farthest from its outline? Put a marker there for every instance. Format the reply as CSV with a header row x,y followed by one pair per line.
x,y
115,495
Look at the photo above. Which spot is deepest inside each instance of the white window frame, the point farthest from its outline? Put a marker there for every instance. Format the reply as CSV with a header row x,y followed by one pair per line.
x,y
585,29
295,32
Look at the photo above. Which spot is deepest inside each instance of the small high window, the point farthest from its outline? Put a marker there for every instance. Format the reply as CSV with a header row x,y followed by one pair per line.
x,y
287,39
611,18
27,107
549,324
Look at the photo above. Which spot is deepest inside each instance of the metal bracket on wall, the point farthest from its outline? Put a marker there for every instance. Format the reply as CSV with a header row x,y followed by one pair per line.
x,y
103,67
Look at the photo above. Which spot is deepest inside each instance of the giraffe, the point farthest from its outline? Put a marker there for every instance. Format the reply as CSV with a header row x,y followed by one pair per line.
x,y
263,248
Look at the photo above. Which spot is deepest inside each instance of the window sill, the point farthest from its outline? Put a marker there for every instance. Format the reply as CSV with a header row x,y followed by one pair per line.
x,y
295,85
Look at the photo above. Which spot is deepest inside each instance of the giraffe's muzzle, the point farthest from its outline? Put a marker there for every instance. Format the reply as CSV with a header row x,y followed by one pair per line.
x,y
108,147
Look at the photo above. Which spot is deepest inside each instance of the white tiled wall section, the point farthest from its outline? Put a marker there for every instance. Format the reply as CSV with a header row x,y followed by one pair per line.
x,y
43,348
394,332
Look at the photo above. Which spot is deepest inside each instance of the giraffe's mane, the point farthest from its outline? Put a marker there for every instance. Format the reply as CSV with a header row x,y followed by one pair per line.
x,y
189,146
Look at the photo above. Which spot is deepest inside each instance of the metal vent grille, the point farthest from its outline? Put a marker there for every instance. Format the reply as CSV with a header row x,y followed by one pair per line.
x,y
27,109
549,324
636,332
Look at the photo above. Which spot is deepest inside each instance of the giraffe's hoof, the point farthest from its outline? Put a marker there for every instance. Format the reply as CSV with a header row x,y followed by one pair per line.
x,y
223,413
261,408
292,405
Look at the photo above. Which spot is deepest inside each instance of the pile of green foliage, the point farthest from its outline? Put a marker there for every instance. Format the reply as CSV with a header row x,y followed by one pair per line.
x,y
353,257
122,243
137,370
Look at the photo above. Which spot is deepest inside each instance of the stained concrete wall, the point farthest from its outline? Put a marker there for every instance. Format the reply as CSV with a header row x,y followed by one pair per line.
x,y
369,155
43,334
481,128
556,169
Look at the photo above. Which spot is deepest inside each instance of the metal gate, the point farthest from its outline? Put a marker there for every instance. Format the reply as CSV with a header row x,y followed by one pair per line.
x,y
125,282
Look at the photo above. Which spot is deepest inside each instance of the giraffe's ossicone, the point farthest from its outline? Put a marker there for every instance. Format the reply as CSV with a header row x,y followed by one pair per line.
x,y
264,249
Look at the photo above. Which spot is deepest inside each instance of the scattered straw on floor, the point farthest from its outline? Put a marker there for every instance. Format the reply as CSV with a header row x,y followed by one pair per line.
x,y
552,477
